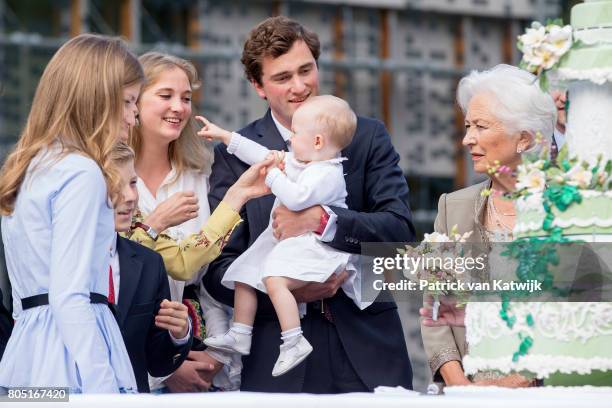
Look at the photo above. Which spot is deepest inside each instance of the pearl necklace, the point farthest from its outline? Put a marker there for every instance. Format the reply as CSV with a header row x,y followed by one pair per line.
x,y
494,215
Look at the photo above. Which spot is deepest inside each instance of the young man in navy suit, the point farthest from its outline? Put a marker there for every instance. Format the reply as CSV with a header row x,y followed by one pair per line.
x,y
155,330
354,350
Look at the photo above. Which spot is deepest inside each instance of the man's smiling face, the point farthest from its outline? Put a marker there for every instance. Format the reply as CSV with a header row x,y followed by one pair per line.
x,y
287,81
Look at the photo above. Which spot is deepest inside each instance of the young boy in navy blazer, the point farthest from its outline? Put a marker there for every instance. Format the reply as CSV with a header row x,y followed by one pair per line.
x,y
155,330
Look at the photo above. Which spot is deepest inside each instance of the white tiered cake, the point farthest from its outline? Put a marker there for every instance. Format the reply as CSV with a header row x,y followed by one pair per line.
x,y
564,338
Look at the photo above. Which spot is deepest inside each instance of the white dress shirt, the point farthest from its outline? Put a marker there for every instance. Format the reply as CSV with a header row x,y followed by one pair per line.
x,y
216,315
559,138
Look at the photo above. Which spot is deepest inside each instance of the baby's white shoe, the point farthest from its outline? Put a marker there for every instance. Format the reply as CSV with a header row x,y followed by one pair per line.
x,y
232,341
291,354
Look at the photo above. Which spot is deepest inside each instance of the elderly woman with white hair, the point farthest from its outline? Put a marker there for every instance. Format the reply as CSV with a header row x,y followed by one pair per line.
x,y
504,109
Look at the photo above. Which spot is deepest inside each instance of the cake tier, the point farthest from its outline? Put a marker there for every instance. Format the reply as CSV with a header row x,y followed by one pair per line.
x,y
567,338
592,59
585,396
594,36
589,57
592,14
589,121
587,62
591,217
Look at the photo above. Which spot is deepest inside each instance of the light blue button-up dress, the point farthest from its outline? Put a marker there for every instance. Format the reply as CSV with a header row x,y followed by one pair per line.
x,y
57,241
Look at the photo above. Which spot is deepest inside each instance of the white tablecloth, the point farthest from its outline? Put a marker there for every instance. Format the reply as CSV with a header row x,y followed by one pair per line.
x,y
475,397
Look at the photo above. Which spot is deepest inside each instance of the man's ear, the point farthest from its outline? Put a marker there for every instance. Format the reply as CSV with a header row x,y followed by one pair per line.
x,y
319,141
259,89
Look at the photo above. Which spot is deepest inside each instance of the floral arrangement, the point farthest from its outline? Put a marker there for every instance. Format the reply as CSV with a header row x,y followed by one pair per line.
x,y
544,184
543,46
558,183
434,248
560,180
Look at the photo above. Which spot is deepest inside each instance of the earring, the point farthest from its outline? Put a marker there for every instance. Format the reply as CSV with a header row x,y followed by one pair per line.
x,y
519,150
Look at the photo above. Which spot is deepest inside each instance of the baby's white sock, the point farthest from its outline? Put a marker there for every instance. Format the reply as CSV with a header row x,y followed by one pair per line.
x,y
242,328
291,335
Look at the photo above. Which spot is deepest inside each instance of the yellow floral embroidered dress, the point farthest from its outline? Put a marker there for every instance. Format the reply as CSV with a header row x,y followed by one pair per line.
x,y
187,249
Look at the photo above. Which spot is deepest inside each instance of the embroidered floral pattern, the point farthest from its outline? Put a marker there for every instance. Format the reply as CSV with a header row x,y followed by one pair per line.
x,y
195,313
201,240
225,239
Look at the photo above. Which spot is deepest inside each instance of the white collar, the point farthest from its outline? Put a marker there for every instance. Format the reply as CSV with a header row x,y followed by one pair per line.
x,y
559,138
171,176
285,133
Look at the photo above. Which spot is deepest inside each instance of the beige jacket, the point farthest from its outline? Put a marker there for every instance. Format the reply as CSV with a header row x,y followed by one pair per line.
x,y
464,208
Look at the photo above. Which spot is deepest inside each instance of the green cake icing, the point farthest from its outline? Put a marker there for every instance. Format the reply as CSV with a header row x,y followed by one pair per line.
x,y
592,216
589,57
592,25
592,14
566,346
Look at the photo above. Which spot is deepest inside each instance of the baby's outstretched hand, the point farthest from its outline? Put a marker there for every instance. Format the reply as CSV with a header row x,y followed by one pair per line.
x,y
211,132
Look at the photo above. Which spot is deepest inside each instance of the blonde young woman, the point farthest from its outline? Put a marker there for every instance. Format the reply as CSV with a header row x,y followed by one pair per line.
x,y
173,166
57,225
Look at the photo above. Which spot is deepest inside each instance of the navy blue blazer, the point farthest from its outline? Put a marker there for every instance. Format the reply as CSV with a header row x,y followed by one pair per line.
x,y
6,326
377,212
143,285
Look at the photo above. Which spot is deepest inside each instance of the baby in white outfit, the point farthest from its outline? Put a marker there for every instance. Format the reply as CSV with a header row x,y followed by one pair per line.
x,y
311,174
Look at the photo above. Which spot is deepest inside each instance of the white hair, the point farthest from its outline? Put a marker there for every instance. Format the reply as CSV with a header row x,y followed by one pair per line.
x,y
519,103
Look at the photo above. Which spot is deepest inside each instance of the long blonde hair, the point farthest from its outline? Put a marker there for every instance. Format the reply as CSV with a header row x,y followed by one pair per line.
x,y
189,151
78,103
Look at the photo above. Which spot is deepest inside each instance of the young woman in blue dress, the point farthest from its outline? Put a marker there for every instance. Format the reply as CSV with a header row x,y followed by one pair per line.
x,y
56,193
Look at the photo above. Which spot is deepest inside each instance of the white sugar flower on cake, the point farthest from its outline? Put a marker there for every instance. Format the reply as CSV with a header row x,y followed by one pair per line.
x,y
579,176
530,202
534,37
533,179
543,46
559,40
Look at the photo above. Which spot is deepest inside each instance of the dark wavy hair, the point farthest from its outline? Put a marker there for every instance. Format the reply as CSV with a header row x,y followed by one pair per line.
x,y
272,38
